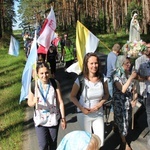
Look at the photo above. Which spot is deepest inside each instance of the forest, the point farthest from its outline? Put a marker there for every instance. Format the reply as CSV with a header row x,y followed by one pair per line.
x,y
99,16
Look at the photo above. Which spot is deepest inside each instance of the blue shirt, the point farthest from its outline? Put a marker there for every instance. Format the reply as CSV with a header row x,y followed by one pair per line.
x,y
111,61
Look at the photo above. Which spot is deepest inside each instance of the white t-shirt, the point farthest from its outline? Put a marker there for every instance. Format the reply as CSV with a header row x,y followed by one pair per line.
x,y
143,71
92,94
48,112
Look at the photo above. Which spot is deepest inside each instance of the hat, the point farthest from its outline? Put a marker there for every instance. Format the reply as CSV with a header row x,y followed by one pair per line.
x,y
75,140
116,47
120,60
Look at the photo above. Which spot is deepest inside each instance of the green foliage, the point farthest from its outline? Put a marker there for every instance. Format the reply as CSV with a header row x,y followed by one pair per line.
x,y
108,40
101,22
7,17
4,41
32,12
87,21
93,14
12,114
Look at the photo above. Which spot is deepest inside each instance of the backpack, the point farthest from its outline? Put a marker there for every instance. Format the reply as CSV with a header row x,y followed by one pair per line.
x,y
81,82
54,84
105,67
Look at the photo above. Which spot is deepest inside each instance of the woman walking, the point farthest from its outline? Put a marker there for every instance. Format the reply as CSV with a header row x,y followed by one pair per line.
x,y
94,95
49,111
124,98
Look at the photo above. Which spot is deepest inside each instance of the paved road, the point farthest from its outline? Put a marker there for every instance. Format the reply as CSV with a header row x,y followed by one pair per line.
x,y
137,137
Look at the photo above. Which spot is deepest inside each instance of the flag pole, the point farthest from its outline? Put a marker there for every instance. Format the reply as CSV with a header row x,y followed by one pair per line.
x,y
28,71
35,74
105,45
36,87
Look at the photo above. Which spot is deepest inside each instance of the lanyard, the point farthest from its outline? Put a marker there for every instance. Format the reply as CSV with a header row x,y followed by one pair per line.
x,y
42,91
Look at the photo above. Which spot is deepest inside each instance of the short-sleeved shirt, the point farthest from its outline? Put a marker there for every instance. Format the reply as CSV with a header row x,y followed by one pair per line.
x,y
145,71
92,94
51,56
142,70
111,60
47,109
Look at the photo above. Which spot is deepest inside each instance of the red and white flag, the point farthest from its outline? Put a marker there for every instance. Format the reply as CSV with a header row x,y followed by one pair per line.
x,y
48,30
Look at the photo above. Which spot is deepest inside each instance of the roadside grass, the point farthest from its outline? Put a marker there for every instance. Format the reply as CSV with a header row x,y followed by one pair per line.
x,y
108,40
12,113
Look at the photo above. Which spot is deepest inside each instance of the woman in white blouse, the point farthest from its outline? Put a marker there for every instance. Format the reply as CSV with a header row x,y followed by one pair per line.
x,y
94,95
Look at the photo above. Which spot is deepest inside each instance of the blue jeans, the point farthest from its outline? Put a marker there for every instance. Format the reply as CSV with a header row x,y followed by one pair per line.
x,y
47,137
147,105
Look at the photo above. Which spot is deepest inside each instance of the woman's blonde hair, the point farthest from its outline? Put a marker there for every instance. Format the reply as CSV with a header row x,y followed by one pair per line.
x,y
94,143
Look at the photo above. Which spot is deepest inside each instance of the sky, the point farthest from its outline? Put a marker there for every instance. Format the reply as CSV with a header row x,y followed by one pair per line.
x,y
16,26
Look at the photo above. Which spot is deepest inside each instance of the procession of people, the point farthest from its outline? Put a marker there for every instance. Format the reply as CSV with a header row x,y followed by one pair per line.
x,y
126,83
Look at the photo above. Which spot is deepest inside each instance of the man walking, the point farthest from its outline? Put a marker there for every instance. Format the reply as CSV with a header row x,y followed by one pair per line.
x,y
142,66
111,60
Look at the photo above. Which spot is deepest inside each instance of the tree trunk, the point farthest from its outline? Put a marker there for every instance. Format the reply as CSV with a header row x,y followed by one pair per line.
x,y
64,15
107,16
144,17
114,14
1,16
146,12
75,11
0,28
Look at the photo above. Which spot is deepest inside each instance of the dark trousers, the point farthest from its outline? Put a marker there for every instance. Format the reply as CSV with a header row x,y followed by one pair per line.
x,y
53,66
47,137
69,63
142,110
147,106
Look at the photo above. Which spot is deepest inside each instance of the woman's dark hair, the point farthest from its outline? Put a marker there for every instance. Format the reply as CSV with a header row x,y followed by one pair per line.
x,y
41,57
41,65
85,70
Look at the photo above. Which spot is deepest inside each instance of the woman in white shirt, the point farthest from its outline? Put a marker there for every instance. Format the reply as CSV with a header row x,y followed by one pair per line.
x,y
49,111
94,95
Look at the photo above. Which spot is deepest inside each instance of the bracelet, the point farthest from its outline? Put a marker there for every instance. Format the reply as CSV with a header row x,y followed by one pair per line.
x,y
63,119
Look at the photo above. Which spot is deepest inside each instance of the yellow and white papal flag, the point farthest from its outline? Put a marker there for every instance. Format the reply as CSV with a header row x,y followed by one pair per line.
x,y
86,42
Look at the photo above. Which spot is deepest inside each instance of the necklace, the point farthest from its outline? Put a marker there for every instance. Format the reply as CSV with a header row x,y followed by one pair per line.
x,y
41,89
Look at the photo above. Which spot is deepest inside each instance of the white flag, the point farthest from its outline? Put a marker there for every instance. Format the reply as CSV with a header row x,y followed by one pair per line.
x,y
13,47
47,31
27,72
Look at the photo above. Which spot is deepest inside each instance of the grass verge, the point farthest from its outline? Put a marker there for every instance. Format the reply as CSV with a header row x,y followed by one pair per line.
x,y
12,114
